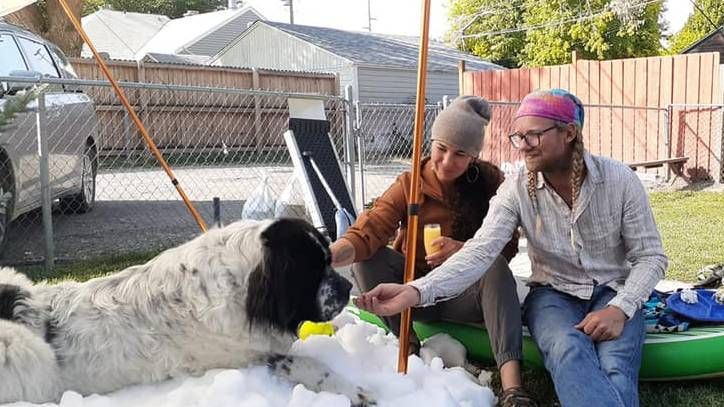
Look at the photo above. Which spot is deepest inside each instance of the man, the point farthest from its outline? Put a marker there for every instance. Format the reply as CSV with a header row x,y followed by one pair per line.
x,y
595,252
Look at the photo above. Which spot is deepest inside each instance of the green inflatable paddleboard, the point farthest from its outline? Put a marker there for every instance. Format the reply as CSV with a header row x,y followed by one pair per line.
x,y
694,354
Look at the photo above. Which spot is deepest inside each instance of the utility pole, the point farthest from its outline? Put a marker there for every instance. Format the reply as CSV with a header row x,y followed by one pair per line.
x,y
290,4
369,16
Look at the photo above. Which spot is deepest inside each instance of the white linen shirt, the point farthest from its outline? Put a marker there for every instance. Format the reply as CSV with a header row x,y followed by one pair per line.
x,y
611,239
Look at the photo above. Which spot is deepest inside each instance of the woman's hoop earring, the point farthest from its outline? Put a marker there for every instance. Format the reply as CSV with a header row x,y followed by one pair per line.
x,y
471,178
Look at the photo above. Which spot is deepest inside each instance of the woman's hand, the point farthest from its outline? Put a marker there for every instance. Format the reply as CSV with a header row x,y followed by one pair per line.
x,y
388,299
342,253
447,247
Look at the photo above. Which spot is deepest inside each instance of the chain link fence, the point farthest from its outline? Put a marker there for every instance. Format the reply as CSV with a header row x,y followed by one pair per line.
x,y
385,138
221,143
228,144
697,132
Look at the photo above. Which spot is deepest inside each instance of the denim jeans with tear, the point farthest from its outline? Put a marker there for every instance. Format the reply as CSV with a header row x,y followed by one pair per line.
x,y
585,373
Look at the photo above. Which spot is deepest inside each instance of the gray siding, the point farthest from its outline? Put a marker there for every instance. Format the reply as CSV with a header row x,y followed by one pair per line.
x,y
347,77
222,36
400,85
266,47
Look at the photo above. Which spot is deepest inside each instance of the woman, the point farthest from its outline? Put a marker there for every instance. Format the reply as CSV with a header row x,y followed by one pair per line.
x,y
456,190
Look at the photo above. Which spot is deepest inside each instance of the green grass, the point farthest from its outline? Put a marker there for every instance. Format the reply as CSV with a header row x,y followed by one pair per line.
x,y
695,393
144,159
83,271
692,229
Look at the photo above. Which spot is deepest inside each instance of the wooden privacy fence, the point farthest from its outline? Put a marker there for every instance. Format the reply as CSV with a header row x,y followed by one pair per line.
x,y
211,76
206,117
641,109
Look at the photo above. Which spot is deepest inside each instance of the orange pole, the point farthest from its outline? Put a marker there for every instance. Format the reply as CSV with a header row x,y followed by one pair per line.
x,y
413,206
136,120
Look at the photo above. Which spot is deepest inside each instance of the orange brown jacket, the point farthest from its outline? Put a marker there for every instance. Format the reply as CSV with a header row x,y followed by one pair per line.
x,y
387,217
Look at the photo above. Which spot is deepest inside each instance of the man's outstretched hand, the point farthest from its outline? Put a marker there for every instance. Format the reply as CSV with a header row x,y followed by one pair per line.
x,y
388,299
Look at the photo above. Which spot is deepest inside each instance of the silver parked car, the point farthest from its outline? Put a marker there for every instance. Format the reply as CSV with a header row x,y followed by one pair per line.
x,y
71,131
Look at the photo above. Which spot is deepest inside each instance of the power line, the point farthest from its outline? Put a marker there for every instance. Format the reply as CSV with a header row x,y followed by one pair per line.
x,y
552,24
704,14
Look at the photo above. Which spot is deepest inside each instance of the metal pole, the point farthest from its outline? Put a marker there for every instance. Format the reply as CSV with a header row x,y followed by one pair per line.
x,y
217,211
721,141
415,190
349,156
369,16
667,138
41,125
360,154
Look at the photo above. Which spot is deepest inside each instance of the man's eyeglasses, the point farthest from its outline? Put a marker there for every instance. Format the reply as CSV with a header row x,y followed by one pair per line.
x,y
531,138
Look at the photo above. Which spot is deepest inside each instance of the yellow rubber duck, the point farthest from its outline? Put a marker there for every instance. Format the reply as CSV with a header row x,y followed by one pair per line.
x,y
309,328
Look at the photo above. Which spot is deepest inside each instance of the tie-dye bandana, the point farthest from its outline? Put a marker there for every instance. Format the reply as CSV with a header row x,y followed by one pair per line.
x,y
554,104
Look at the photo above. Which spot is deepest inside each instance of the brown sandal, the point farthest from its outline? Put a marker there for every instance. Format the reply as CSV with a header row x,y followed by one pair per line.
x,y
516,397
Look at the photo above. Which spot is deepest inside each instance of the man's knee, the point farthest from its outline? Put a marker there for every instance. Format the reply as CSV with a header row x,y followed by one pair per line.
x,y
569,348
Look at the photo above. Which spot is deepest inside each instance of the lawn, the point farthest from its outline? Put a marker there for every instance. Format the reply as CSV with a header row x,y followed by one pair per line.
x,y
692,229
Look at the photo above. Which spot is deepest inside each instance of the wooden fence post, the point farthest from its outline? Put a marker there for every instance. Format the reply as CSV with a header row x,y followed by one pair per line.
x,y
461,77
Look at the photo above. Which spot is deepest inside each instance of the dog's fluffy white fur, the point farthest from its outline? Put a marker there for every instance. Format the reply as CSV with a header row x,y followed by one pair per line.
x,y
230,298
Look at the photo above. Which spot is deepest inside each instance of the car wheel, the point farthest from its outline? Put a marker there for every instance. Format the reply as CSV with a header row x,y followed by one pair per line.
x,y
83,201
6,200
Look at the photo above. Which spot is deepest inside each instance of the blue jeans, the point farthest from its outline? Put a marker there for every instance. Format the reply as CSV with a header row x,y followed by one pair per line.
x,y
584,372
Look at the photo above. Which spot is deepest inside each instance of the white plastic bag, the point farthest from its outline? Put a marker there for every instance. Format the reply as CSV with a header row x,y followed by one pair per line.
x,y
285,206
260,204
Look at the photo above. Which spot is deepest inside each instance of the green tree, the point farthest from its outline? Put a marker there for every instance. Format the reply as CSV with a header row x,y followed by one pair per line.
x,y
544,32
698,25
483,16
171,8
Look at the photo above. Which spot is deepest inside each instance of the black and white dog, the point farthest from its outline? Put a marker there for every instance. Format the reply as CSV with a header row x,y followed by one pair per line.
x,y
230,298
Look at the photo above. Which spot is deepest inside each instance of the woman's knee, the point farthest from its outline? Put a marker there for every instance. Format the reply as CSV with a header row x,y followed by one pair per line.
x,y
385,266
498,279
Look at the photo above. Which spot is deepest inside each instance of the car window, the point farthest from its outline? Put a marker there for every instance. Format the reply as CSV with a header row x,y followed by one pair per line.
x,y
10,57
61,61
39,57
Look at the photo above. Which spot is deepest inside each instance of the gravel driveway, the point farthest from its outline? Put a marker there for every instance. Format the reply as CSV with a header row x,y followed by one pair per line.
x,y
140,211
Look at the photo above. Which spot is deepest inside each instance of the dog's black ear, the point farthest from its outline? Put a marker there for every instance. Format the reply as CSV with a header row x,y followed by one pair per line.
x,y
10,297
283,287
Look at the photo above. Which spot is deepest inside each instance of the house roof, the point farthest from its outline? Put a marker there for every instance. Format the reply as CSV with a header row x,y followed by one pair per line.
x,y
714,41
381,50
200,34
177,59
121,34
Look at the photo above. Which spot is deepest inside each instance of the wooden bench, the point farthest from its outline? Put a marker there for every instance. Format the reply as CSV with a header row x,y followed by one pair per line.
x,y
676,164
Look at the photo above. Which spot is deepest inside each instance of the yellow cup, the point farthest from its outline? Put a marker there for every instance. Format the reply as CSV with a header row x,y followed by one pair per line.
x,y
431,232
